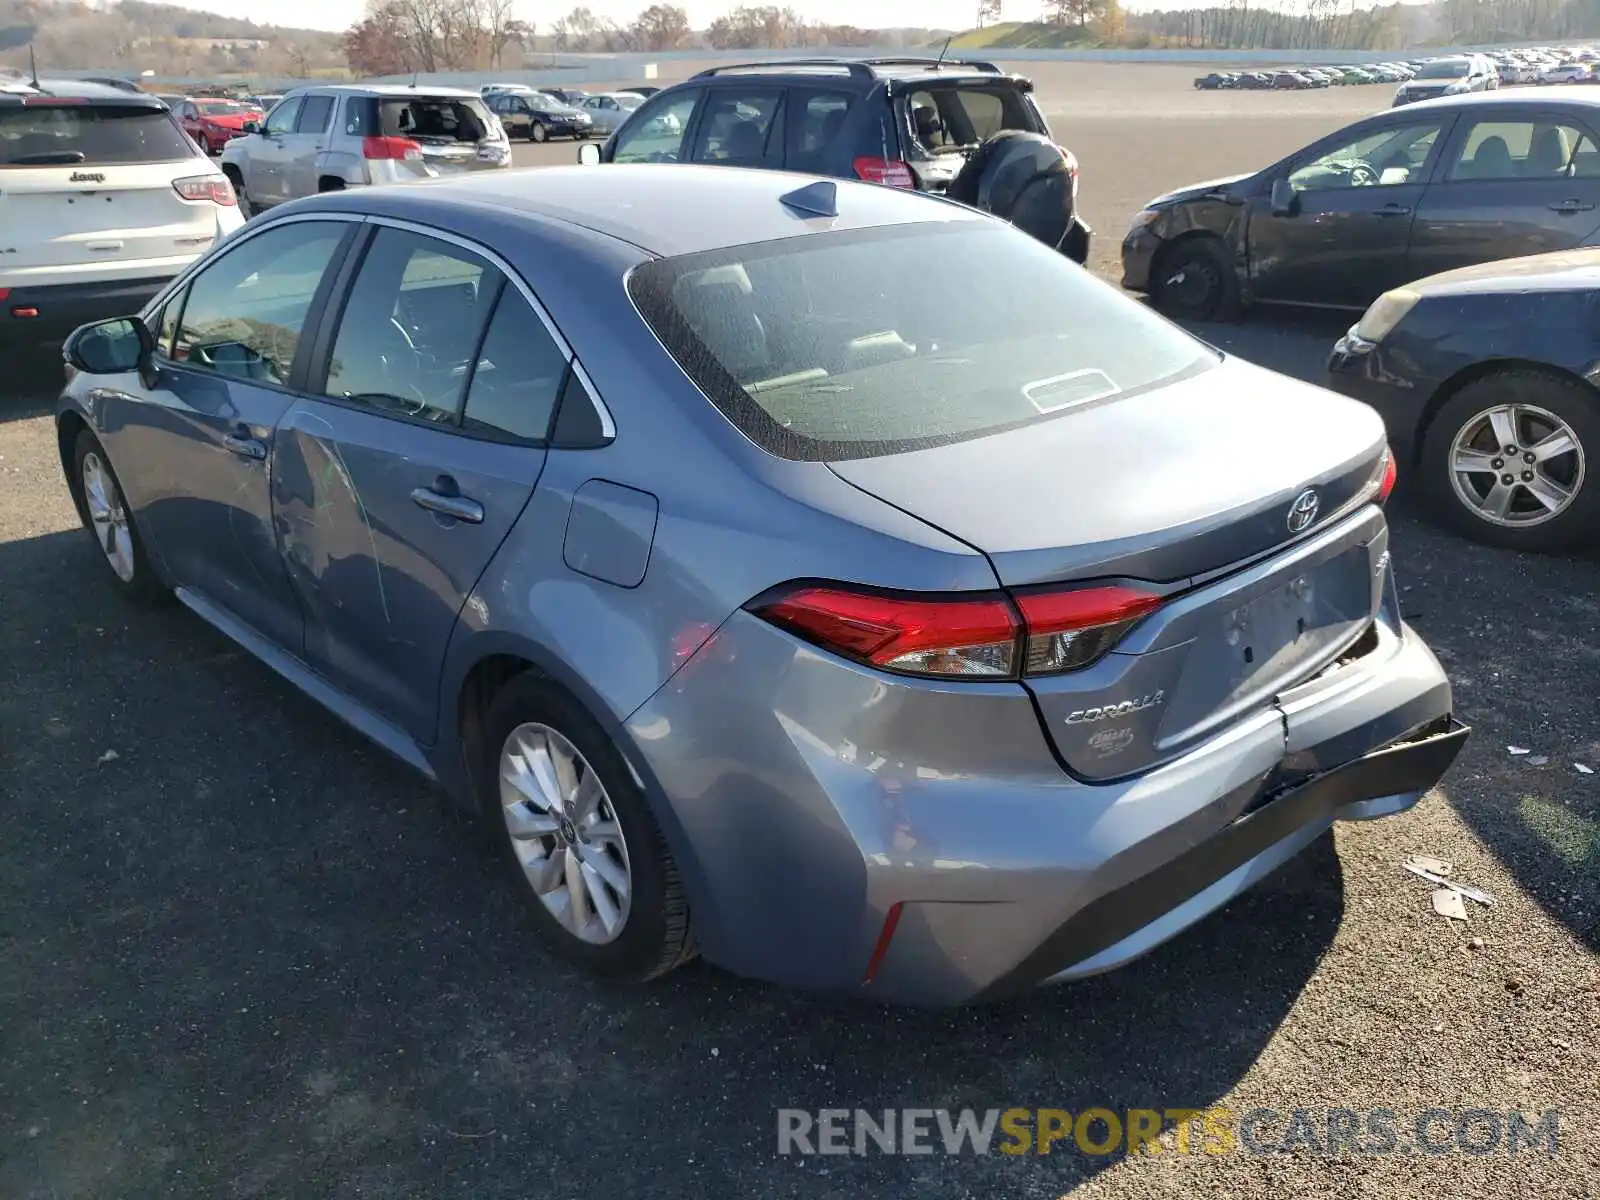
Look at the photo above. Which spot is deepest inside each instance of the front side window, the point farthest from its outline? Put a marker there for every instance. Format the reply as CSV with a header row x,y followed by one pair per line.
x,y
1526,149
95,135
1386,157
735,126
283,117
414,315
658,135
245,311
834,346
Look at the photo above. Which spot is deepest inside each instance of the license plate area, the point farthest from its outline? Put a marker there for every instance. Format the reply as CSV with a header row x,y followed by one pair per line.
x,y
1250,646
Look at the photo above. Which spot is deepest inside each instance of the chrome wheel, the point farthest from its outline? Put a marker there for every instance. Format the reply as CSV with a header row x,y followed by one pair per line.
x,y
565,833
107,516
1516,465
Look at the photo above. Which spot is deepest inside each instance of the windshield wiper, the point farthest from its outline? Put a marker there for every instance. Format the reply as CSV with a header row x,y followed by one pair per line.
x,y
47,158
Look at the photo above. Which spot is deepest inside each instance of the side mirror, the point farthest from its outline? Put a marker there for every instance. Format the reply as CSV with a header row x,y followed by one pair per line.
x,y
1285,200
589,154
110,347
252,126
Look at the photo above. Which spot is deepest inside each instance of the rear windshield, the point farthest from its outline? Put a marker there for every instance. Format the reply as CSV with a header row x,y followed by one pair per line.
x,y
37,135
949,120
848,345
421,118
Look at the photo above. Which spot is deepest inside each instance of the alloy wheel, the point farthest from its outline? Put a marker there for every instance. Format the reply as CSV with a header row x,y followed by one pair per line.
x,y
565,833
538,133
108,515
1516,465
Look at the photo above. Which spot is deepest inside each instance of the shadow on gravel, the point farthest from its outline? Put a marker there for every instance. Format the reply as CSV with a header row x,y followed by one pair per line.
x,y
248,955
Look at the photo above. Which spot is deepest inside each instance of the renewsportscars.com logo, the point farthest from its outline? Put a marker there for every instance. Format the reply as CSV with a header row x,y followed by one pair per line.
x,y
1100,1131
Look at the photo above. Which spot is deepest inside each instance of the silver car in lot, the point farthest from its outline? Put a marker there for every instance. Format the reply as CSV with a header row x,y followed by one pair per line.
x,y
608,110
327,138
923,642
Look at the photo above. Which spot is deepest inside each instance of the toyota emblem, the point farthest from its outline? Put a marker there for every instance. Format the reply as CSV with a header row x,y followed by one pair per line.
x,y
1304,510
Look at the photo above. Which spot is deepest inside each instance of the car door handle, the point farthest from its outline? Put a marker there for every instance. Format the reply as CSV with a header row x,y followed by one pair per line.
x,y
1394,210
1571,206
448,501
245,447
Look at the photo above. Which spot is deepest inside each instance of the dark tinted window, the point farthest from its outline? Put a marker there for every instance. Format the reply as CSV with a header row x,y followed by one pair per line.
x,y
246,311
518,374
42,135
735,124
815,121
407,333
578,421
834,345
425,118
314,114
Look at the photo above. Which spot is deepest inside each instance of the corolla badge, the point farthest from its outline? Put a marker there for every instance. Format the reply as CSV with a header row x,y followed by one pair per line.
x,y
1106,711
1304,510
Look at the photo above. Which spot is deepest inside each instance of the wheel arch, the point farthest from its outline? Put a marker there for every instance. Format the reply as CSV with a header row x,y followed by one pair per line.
x,y
69,424
487,663
1471,374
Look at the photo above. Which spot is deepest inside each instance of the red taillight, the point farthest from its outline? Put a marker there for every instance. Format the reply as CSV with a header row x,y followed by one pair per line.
x,y
214,188
1390,474
5,293
890,172
390,149
1069,630
988,636
960,637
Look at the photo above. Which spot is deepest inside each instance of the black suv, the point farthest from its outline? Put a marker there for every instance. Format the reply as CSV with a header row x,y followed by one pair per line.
x,y
904,122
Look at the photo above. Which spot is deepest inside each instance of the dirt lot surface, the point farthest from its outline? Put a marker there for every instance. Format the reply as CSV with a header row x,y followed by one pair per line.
x,y
244,954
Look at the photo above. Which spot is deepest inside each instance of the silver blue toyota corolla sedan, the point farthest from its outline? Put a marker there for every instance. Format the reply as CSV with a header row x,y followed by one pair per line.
x,y
831,581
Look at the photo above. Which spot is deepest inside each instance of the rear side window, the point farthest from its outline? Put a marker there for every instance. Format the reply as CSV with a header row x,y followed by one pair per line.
x,y
314,114
406,337
953,118
815,119
735,125
42,135
421,118
517,376
834,346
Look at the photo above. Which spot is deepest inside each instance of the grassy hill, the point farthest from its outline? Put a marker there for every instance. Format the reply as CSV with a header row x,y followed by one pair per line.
x,y
1025,35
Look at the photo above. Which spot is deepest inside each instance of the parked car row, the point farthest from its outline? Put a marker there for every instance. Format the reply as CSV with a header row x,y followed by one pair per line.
x,y
1297,78
1439,186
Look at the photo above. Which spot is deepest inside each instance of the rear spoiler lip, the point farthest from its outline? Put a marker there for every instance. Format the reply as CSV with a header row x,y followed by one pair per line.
x,y
926,83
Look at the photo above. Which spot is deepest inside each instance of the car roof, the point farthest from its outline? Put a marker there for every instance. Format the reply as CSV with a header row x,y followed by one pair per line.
x,y
862,70
657,207
16,91
1561,95
386,90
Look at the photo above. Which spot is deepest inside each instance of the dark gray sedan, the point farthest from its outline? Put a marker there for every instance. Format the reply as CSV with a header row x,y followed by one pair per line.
x,y
764,600
1425,188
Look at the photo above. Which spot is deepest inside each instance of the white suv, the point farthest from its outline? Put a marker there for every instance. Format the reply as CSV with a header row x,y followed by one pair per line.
x,y
103,199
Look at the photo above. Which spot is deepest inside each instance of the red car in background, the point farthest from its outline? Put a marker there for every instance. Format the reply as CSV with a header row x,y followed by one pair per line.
x,y
213,121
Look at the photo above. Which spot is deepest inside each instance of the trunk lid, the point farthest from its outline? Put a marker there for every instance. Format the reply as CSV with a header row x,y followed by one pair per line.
x,y
1160,485
1197,489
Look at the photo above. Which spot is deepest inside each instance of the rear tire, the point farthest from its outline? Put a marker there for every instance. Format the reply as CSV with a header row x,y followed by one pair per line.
x,y
329,184
602,831
1542,411
1195,281
103,509
538,133
236,177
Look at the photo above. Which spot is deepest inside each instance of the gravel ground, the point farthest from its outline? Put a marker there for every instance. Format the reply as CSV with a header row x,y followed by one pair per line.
x,y
247,955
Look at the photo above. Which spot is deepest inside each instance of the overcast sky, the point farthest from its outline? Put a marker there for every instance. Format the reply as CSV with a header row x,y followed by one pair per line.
x,y
867,14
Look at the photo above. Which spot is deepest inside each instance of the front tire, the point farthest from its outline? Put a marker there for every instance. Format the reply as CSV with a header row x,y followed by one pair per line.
x,y
104,512
589,859
1509,460
1195,281
538,133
